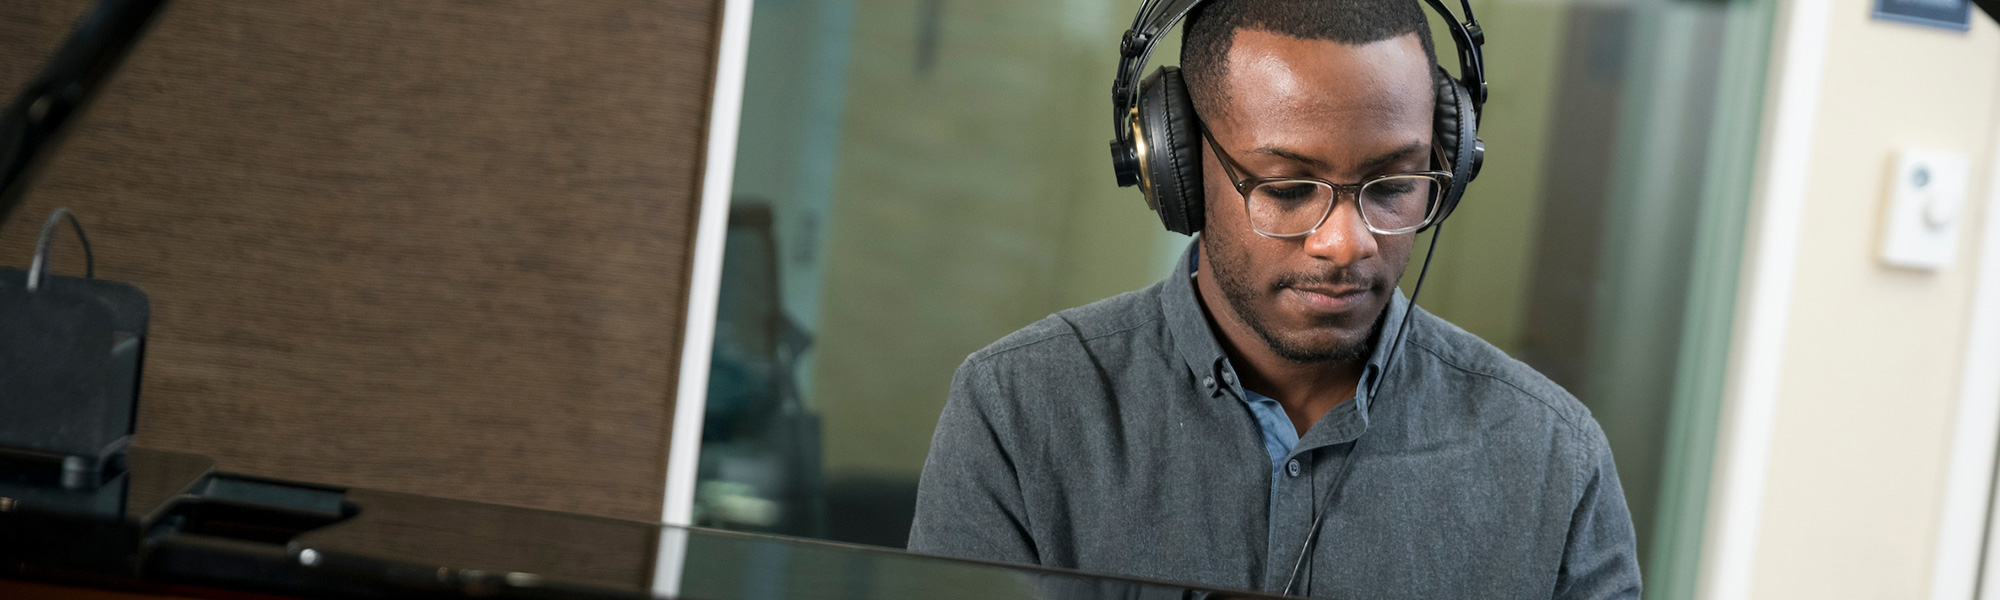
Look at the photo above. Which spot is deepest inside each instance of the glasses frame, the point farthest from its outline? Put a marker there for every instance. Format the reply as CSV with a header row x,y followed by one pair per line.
x,y
1245,185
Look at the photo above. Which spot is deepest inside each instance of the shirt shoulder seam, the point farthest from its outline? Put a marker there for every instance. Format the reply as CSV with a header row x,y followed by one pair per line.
x,y
1567,419
1148,321
1072,332
987,353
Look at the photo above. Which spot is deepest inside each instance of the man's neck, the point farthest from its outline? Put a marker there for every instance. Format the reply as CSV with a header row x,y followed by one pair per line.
x,y
1307,390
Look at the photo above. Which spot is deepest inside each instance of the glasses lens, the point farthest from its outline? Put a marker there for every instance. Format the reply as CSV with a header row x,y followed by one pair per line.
x,y
1400,202
1289,207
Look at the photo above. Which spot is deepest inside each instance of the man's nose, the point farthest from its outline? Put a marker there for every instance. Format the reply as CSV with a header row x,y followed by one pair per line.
x,y
1343,238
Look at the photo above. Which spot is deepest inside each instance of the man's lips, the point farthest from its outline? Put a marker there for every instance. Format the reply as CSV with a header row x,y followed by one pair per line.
x,y
1327,299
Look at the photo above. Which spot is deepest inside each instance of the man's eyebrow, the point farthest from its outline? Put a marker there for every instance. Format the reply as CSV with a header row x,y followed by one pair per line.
x,y
1287,154
1368,166
1377,163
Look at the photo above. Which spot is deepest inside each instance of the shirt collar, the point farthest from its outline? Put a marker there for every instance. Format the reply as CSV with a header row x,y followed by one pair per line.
x,y
1195,341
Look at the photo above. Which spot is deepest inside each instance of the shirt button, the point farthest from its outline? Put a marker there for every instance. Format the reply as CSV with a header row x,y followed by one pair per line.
x,y
1228,378
1292,468
1208,382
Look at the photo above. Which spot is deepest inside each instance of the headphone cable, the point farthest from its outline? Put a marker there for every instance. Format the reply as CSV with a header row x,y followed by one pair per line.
x,y
1341,477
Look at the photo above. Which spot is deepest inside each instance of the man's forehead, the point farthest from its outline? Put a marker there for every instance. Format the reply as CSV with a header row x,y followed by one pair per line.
x,y
1273,71
1331,101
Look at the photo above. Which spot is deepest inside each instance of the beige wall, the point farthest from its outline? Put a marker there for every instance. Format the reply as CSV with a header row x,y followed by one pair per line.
x,y
1873,355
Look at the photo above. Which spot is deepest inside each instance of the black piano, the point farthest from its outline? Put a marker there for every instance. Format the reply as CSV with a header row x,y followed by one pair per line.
x,y
172,525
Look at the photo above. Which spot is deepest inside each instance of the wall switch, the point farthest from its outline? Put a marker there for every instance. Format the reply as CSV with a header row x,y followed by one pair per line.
x,y
1926,201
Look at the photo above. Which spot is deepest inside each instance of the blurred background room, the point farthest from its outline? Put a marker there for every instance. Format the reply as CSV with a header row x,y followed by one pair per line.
x,y
714,262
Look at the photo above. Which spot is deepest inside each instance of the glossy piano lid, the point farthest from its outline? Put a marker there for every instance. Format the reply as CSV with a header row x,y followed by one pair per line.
x,y
184,526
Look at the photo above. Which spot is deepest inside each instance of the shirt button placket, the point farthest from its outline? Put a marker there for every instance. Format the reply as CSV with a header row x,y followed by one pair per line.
x,y
1291,514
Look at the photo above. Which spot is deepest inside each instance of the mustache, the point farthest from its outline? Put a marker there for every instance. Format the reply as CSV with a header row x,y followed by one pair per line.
x,y
1328,278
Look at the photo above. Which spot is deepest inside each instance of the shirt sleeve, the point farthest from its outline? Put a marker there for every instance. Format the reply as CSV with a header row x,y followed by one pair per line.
x,y
1600,560
969,501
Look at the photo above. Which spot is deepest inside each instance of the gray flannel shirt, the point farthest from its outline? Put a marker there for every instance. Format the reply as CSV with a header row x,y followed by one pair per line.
x,y
1112,438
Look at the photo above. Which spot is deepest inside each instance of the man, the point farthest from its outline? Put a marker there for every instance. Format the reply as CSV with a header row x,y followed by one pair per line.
x,y
1219,427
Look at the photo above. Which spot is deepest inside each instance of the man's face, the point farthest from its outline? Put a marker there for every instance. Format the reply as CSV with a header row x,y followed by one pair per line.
x,y
1324,109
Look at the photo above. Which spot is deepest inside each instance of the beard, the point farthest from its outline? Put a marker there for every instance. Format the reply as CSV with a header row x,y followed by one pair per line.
x,y
1231,272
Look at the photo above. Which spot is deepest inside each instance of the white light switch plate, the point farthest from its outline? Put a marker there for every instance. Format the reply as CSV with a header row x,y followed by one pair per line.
x,y
1926,205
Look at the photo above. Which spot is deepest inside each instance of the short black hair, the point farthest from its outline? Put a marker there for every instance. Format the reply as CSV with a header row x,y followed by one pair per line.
x,y
1211,27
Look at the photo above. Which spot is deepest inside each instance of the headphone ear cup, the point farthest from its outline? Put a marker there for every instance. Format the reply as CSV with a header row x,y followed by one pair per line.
x,y
1455,127
1172,158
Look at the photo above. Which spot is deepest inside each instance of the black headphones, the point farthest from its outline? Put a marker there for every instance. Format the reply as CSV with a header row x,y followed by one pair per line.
x,y
1157,137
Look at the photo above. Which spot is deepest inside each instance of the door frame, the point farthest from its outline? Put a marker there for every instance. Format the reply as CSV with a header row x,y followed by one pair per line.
x,y
1969,519
705,275
1763,301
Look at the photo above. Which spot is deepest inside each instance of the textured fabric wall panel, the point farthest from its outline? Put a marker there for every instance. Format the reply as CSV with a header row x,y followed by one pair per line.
x,y
433,246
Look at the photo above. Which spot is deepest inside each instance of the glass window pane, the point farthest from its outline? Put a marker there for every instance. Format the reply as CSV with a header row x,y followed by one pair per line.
x,y
935,177
1619,137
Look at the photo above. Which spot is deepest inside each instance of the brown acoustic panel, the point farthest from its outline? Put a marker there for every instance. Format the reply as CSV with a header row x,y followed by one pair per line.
x,y
437,246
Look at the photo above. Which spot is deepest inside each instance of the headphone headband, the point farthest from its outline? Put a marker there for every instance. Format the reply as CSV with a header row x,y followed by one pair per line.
x,y
1157,16
1154,19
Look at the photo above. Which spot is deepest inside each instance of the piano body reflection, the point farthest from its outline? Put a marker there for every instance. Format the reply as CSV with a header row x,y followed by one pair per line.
x,y
172,525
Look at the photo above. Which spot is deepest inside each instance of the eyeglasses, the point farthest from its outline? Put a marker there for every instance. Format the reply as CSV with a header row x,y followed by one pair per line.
x,y
1294,207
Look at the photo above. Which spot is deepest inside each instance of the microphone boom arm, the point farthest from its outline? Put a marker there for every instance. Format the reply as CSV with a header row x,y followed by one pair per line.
x,y
33,124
